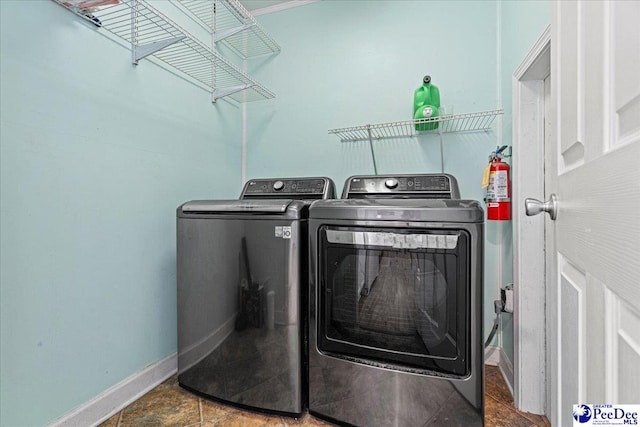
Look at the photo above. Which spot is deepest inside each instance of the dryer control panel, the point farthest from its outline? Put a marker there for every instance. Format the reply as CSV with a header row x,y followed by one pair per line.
x,y
289,188
423,186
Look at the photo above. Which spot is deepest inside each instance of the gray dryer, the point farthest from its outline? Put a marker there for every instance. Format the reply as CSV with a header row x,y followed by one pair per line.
x,y
395,316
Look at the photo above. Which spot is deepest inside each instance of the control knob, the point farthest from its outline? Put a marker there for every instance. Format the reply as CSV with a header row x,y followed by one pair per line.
x,y
278,185
391,183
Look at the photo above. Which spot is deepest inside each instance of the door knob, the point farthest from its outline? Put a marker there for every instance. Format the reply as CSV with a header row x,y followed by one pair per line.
x,y
534,207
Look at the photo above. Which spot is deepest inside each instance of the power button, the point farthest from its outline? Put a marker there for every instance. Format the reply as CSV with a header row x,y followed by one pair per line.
x,y
391,183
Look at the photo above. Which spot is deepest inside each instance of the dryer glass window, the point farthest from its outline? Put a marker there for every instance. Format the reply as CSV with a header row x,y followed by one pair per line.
x,y
395,296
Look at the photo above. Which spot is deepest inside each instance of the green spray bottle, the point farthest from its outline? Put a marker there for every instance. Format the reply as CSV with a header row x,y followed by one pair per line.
x,y
426,103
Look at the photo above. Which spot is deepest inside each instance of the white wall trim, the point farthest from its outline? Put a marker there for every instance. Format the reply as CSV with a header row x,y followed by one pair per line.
x,y
506,369
533,65
529,384
115,398
494,356
281,6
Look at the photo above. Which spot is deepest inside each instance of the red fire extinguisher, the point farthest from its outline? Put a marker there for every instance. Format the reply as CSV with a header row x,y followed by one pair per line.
x,y
498,183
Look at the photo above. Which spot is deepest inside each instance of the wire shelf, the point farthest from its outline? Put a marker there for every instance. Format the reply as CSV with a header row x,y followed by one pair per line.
x,y
469,122
233,25
150,33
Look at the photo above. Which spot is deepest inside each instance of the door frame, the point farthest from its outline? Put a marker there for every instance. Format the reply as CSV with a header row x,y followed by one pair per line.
x,y
530,388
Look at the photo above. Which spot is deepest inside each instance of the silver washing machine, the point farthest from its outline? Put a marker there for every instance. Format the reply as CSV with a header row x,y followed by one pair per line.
x,y
242,281
395,314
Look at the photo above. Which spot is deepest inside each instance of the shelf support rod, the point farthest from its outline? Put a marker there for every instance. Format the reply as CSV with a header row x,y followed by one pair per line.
x,y
142,51
373,154
221,35
221,93
134,29
441,148
214,27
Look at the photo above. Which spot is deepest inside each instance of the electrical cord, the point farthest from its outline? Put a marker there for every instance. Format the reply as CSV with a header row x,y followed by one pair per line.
x,y
498,306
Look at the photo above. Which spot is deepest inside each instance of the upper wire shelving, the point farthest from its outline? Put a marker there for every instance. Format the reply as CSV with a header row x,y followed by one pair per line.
x,y
468,122
151,33
231,23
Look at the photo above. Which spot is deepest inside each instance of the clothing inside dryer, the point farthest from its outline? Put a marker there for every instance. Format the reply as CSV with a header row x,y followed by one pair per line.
x,y
397,293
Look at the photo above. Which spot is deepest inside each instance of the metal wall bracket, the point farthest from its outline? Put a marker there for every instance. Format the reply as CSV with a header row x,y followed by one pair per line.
x,y
373,153
143,50
221,93
223,34
441,149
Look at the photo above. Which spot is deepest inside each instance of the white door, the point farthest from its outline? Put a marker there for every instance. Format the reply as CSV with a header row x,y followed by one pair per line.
x,y
593,247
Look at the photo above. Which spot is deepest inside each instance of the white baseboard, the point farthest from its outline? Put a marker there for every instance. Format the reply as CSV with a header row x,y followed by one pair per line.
x,y
506,368
494,356
114,399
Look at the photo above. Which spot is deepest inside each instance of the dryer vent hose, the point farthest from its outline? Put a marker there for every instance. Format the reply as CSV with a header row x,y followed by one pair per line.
x,y
497,307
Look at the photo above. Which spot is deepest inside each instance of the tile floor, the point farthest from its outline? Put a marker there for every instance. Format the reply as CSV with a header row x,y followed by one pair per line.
x,y
170,405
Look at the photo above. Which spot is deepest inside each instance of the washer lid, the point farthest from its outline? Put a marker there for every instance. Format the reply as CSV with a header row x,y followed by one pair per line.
x,y
235,206
425,210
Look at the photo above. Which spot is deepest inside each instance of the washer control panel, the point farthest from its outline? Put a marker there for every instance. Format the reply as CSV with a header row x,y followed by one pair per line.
x,y
289,188
424,186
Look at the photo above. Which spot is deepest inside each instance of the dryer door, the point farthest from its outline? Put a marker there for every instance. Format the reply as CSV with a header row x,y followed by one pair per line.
x,y
396,296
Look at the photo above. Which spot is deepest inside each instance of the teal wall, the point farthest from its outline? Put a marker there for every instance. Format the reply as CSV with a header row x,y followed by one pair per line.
x,y
522,23
96,154
347,63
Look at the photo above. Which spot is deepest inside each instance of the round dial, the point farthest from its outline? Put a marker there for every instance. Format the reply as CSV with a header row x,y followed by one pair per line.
x,y
278,185
391,183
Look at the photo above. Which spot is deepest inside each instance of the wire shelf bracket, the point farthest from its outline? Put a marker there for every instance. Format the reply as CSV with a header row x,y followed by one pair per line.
x,y
221,35
221,93
142,51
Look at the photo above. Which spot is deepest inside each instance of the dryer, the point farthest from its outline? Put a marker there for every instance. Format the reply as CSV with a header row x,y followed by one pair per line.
x,y
242,281
395,314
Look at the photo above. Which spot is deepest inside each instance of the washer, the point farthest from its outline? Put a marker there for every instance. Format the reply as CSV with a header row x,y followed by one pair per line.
x,y
242,281
395,315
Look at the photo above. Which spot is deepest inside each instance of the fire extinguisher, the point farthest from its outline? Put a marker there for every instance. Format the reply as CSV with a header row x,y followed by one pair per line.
x,y
498,183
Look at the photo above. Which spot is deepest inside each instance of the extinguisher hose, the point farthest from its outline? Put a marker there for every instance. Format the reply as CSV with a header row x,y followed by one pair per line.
x,y
499,150
497,305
